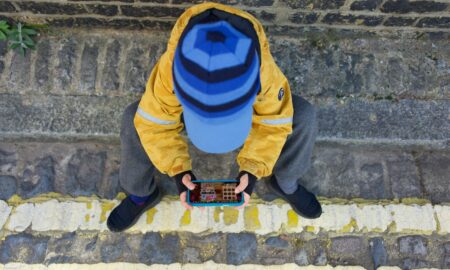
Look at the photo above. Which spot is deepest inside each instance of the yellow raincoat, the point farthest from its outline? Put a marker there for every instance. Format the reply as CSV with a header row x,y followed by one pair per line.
x,y
158,119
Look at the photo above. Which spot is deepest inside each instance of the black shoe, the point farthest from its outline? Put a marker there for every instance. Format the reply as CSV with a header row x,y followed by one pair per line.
x,y
127,213
302,201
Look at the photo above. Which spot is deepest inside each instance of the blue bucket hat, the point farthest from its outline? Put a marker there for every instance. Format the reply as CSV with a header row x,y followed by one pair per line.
x,y
216,79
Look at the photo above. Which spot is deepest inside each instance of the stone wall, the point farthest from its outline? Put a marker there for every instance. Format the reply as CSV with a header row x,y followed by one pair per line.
x,y
161,14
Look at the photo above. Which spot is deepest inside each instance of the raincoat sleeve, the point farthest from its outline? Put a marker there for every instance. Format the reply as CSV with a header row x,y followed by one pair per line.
x,y
158,122
271,122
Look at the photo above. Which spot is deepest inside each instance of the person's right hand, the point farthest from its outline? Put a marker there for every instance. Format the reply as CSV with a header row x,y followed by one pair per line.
x,y
187,181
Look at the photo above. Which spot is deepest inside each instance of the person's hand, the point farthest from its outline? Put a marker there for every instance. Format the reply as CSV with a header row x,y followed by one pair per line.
x,y
246,184
187,182
184,182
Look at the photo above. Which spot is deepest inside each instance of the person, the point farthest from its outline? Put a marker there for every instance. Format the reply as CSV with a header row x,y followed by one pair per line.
x,y
219,81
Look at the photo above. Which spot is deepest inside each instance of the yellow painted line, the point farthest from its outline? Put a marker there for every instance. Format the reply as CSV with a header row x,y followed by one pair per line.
x,y
260,218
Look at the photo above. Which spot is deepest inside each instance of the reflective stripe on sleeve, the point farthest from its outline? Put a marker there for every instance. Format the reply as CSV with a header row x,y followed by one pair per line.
x,y
277,121
153,119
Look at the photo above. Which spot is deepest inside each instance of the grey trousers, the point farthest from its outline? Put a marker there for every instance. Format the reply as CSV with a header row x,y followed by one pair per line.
x,y
136,169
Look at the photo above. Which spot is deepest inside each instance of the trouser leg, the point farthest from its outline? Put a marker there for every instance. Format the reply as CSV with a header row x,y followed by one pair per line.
x,y
295,157
136,169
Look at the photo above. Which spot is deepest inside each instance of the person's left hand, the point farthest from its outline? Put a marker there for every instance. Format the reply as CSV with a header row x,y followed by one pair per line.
x,y
246,184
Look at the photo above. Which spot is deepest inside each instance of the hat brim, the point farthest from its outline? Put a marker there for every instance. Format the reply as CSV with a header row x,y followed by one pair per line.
x,y
219,135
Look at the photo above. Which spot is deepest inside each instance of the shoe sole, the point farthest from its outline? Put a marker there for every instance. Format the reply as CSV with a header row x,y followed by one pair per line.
x,y
271,188
151,205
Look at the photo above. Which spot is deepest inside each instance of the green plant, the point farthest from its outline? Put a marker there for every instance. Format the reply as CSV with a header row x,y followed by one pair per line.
x,y
4,29
19,36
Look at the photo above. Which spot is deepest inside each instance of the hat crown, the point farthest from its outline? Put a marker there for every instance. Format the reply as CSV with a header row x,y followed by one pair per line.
x,y
216,69
215,36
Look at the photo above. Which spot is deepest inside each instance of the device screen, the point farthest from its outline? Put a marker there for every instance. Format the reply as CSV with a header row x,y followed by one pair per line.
x,y
215,192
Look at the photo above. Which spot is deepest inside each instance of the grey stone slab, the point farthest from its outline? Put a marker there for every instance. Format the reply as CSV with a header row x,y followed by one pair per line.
x,y
323,63
8,160
55,114
111,72
19,71
157,249
435,171
202,248
330,63
349,250
65,68
413,245
356,119
342,171
301,257
385,119
42,65
378,252
37,178
136,76
91,247
8,186
404,176
241,248
275,250
88,68
24,248
85,172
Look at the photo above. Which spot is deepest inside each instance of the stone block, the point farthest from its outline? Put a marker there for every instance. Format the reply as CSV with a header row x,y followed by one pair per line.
x,y
19,71
88,68
241,248
106,10
151,11
413,218
443,217
42,65
114,248
385,119
399,21
21,218
276,250
110,73
24,248
85,172
435,22
136,76
404,177
38,178
304,18
201,248
403,6
378,252
413,245
314,4
435,171
8,186
52,8
337,18
157,249
365,5
68,52
349,250
5,210
6,6
8,161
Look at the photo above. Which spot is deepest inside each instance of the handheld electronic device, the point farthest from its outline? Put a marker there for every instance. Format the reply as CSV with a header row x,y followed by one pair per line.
x,y
214,193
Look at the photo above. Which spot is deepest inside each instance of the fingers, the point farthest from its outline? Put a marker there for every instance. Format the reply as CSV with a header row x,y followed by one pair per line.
x,y
183,201
186,180
246,201
242,185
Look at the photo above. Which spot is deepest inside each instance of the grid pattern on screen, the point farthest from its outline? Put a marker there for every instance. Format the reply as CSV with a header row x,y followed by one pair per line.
x,y
228,192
